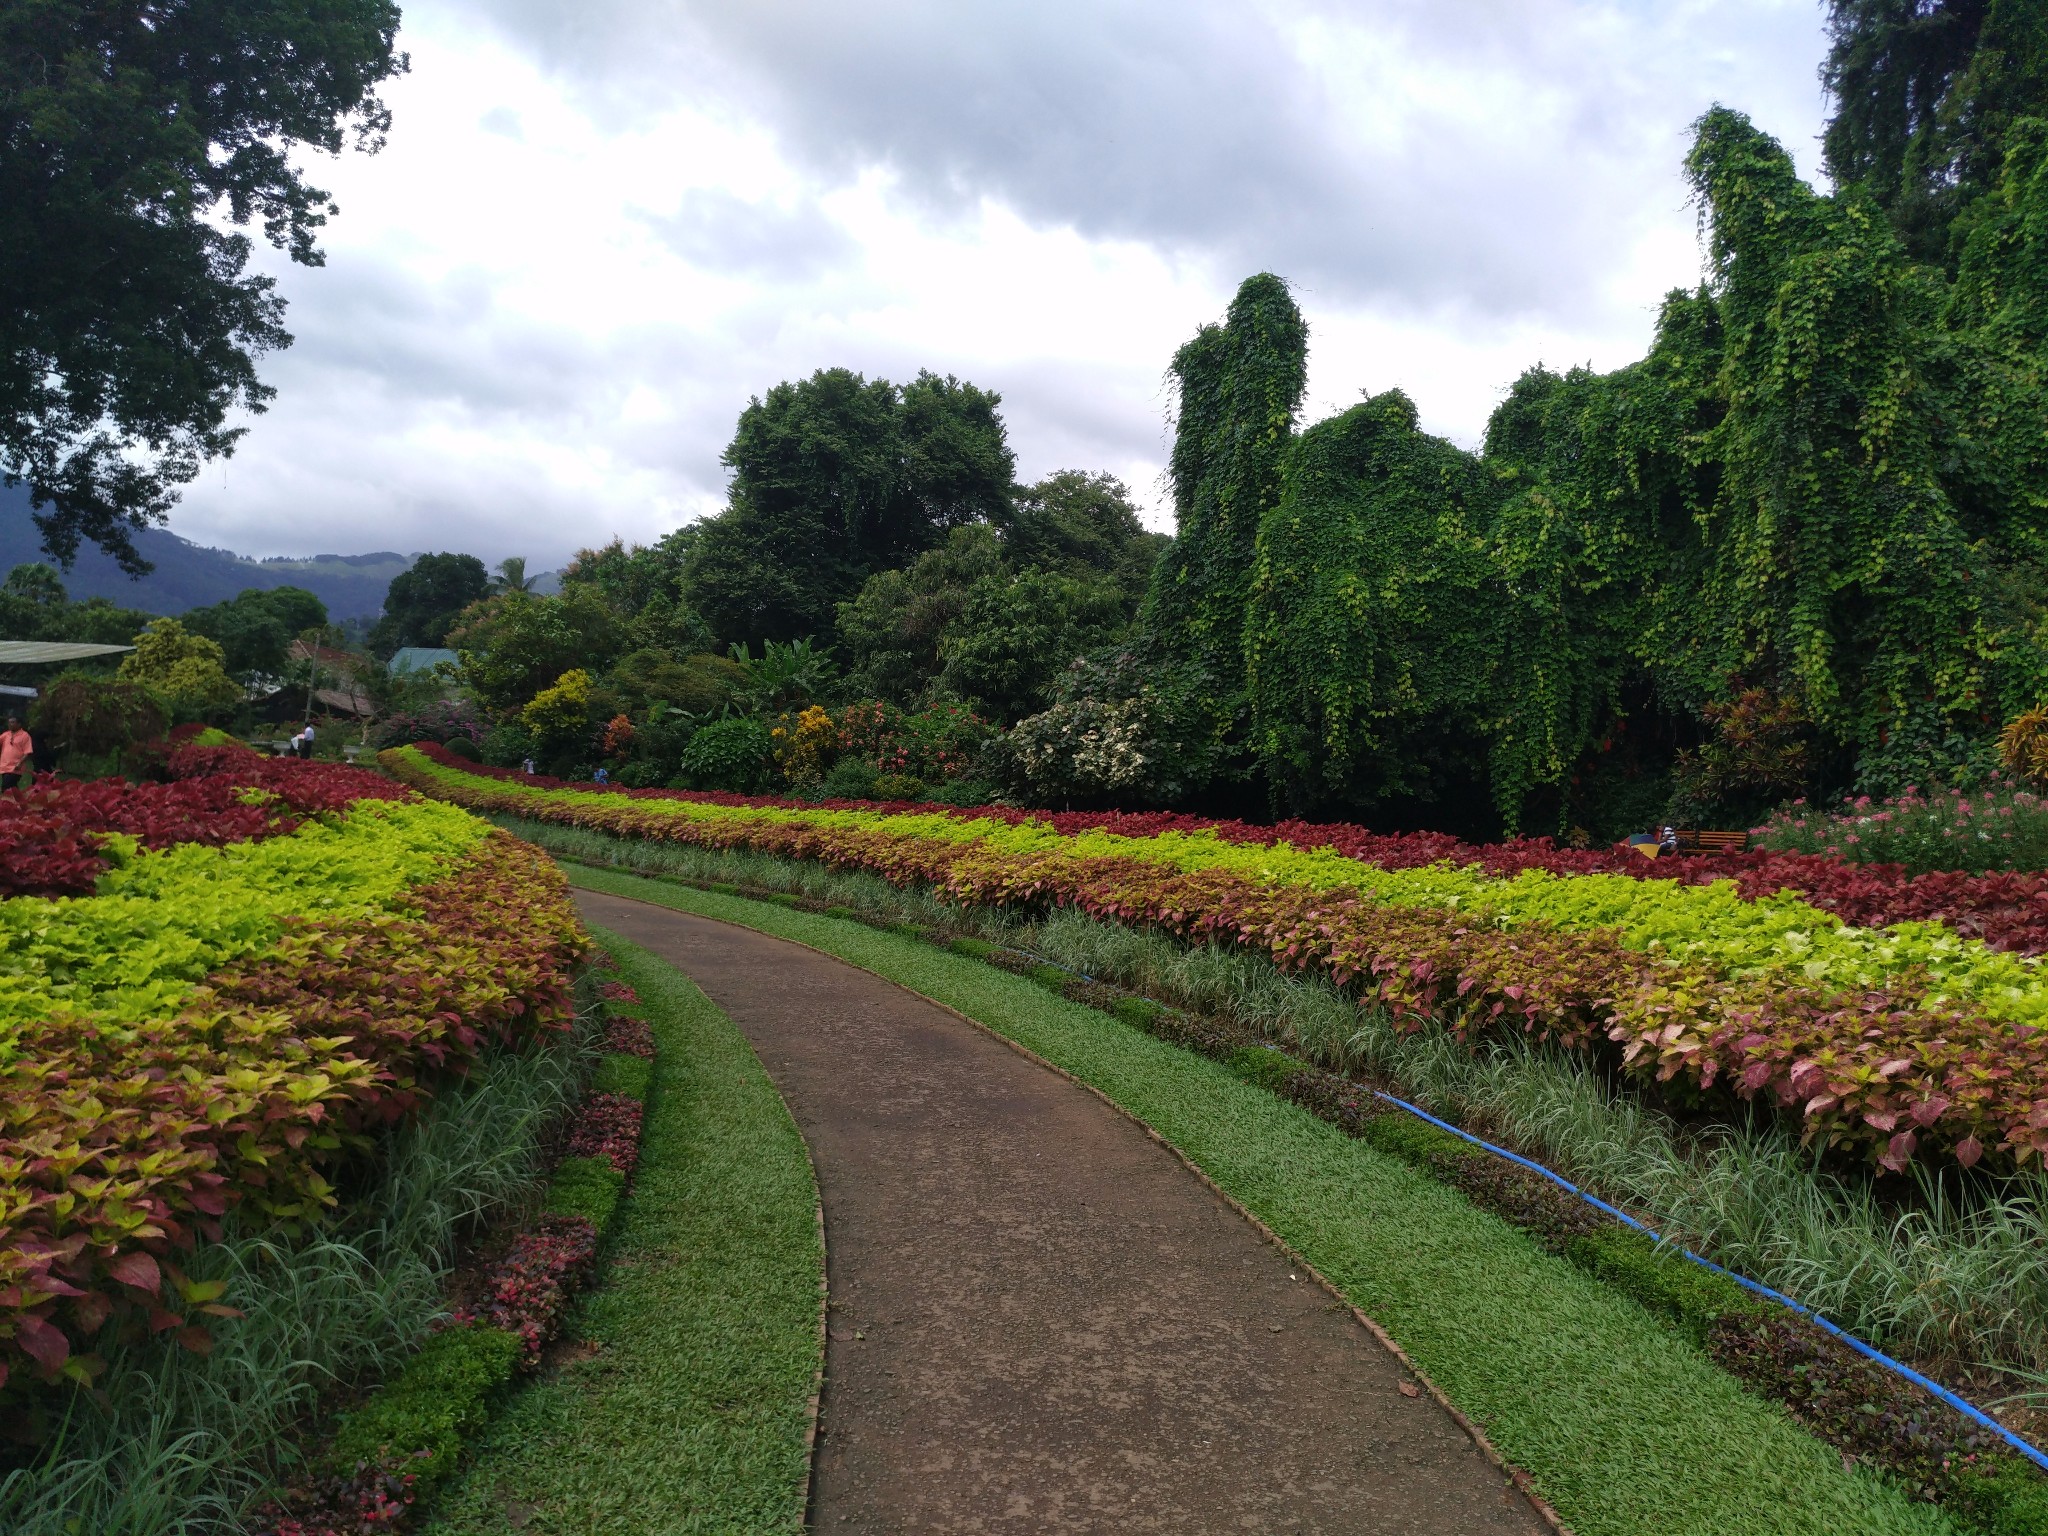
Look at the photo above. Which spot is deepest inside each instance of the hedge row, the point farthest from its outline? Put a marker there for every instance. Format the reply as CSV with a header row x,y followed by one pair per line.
x,y
1878,1040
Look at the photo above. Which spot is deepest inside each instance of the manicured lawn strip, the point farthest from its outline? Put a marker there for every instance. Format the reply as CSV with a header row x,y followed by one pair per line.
x,y
693,1413
1624,1427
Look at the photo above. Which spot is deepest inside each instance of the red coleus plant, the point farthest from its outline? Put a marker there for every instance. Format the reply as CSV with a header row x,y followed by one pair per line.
x,y
608,1126
530,1287
119,1148
628,1036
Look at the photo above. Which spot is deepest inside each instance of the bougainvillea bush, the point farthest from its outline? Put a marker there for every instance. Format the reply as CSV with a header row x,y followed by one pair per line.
x,y
237,979
1884,1035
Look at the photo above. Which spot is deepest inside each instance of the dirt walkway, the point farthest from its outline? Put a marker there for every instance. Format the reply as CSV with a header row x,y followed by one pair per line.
x,y
1040,1320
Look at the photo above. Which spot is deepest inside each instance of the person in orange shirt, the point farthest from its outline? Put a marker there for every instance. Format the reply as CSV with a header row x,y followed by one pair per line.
x,y
15,749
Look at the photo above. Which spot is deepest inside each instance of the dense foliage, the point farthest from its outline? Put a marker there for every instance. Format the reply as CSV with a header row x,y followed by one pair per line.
x,y
836,477
221,1022
35,606
1801,540
255,628
1926,92
423,601
1874,1039
133,142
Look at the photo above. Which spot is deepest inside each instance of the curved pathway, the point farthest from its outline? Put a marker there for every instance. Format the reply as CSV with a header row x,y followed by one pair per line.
x,y
1040,1320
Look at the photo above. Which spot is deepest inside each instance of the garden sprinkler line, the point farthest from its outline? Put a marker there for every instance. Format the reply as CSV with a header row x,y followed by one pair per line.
x,y
1870,1352
1942,1394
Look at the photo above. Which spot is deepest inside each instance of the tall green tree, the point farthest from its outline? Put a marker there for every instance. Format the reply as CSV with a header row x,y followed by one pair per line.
x,y
514,644
423,602
834,478
136,143
894,631
255,628
1082,525
644,586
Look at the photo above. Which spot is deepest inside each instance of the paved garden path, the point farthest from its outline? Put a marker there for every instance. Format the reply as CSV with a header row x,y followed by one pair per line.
x,y
1040,1320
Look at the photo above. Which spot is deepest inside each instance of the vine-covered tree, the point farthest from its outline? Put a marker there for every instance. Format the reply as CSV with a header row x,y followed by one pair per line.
x,y
135,141
1373,629
1240,385
1817,512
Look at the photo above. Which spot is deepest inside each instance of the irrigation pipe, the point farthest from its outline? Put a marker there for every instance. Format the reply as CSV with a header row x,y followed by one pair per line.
x,y
1966,1409
1942,1394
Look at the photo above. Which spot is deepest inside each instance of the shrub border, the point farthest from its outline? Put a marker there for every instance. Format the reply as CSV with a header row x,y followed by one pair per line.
x,y
441,1397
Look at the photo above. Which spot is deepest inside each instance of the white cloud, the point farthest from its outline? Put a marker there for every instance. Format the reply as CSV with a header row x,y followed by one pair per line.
x,y
597,231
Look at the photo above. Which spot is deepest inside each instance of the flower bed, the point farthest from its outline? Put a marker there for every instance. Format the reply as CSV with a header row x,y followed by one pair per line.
x,y
412,1433
1879,1039
225,1019
53,836
2006,910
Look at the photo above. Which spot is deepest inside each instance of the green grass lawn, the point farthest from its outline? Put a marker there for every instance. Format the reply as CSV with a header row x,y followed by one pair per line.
x,y
1626,1429
691,1413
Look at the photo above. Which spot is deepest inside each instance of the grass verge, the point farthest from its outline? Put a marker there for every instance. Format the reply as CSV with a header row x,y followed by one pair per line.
x,y
175,1443
1625,1428
683,1402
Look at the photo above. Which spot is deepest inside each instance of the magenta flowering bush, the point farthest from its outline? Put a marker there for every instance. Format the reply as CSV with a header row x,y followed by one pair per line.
x,y
2002,827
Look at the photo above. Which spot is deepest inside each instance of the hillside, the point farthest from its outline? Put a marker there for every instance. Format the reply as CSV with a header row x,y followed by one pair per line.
x,y
189,575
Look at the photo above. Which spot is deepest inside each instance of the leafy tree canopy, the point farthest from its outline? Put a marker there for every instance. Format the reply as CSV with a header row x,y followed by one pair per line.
x,y
1081,524
423,602
834,478
1374,623
187,670
961,622
644,585
35,606
514,644
135,143
256,628
895,629
1925,93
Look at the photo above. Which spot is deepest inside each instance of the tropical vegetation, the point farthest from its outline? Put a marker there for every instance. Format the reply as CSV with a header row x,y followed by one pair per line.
x,y
229,997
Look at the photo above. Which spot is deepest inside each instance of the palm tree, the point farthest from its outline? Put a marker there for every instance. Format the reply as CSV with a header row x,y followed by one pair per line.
x,y
512,576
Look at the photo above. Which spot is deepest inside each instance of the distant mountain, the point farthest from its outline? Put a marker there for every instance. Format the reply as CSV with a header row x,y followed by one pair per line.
x,y
188,575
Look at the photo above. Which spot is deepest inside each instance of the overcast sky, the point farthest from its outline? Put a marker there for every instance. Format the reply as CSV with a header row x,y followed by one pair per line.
x,y
598,229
